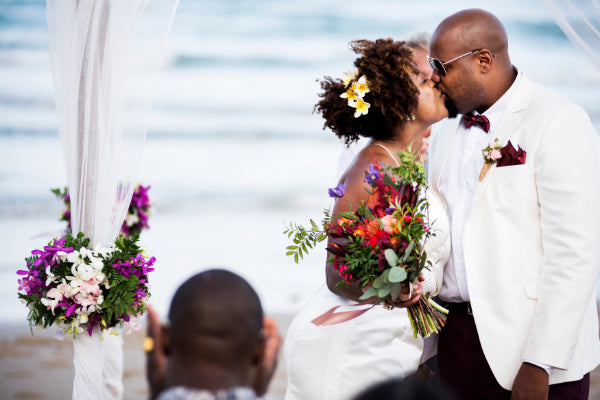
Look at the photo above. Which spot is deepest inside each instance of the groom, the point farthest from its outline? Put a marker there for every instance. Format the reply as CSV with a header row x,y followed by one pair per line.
x,y
525,226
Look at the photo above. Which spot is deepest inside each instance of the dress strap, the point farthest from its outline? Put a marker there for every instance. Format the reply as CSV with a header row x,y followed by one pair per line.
x,y
389,152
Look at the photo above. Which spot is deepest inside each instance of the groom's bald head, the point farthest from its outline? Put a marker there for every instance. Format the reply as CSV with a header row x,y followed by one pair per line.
x,y
482,71
472,29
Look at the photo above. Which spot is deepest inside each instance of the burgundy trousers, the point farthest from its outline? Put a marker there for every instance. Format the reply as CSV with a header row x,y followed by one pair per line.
x,y
465,373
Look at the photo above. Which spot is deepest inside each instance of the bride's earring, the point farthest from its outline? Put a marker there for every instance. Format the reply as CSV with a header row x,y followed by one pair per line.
x,y
411,117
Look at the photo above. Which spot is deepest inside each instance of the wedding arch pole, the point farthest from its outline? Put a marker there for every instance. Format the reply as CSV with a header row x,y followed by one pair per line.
x,y
580,22
105,57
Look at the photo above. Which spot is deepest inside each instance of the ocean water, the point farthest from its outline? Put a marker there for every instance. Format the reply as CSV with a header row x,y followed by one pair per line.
x,y
233,150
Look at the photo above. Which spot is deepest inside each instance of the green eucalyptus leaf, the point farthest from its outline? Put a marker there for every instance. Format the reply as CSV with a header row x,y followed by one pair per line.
x,y
396,289
397,274
385,290
370,292
391,257
379,282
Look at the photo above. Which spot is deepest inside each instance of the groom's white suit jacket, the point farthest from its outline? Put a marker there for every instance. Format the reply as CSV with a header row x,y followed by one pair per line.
x,y
532,238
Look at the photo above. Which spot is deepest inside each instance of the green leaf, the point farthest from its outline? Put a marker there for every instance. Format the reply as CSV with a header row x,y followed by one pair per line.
x,y
396,289
379,281
397,274
291,247
349,215
391,257
387,180
384,291
408,250
290,253
370,292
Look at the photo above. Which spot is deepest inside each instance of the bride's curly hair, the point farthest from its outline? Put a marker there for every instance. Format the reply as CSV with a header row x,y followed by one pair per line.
x,y
388,66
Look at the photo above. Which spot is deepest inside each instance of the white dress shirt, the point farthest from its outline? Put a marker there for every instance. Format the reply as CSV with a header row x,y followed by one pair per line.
x,y
457,184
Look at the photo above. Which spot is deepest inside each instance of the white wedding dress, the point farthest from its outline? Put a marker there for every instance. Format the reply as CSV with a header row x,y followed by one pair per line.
x,y
336,362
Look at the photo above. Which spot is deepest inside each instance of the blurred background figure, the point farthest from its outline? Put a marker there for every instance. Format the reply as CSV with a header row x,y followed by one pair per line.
x,y
217,342
403,389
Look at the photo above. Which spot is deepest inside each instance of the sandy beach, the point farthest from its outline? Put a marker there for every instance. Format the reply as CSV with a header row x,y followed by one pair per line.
x,y
40,367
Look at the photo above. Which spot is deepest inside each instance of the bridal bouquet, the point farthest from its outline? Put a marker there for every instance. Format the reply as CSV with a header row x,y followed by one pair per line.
x,y
137,213
78,289
379,245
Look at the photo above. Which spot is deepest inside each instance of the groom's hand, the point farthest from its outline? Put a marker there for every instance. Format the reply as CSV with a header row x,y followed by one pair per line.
x,y
531,383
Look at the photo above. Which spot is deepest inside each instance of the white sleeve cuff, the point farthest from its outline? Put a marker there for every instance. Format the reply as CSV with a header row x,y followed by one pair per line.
x,y
545,367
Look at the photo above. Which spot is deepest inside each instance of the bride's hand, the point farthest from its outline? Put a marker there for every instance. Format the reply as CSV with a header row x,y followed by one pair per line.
x,y
410,294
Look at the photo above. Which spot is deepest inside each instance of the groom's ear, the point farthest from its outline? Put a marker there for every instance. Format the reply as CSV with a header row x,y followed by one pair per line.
x,y
485,59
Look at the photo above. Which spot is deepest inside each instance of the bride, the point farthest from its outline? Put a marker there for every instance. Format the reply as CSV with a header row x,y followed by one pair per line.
x,y
336,362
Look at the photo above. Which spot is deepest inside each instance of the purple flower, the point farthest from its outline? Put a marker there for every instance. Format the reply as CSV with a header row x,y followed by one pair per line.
x,y
337,191
372,175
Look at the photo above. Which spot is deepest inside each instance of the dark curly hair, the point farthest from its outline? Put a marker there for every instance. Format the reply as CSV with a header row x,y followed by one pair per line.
x,y
388,66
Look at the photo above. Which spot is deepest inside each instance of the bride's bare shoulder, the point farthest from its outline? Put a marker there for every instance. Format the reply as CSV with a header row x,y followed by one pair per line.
x,y
355,172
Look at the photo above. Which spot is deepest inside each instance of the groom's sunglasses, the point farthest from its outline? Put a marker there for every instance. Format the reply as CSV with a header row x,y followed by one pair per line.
x,y
438,65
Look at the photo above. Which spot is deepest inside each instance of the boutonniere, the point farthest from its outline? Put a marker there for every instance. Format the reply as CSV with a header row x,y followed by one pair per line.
x,y
491,154
505,156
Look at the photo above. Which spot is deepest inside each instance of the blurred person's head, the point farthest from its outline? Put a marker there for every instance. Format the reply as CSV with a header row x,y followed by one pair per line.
x,y
398,94
402,389
470,60
419,42
213,338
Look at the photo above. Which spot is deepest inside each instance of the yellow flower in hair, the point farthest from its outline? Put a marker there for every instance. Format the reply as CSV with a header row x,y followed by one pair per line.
x,y
362,107
361,87
351,95
349,76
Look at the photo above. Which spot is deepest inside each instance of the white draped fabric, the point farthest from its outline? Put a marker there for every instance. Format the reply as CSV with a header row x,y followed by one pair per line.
x,y
580,21
105,57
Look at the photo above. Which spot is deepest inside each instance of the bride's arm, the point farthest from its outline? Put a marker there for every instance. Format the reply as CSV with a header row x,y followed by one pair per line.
x,y
355,194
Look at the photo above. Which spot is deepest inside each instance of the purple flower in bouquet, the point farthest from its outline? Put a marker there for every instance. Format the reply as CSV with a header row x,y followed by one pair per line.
x,y
337,191
372,175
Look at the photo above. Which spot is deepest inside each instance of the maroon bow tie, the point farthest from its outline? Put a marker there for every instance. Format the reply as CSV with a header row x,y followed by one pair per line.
x,y
469,119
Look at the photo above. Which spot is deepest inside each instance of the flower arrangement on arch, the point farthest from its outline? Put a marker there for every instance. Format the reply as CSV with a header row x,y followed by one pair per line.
x,y
137,214
68,285
379,245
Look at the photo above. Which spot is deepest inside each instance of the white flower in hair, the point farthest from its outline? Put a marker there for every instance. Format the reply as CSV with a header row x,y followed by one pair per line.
x,y
351,95
361,87
349,76
362,107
